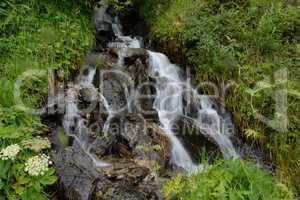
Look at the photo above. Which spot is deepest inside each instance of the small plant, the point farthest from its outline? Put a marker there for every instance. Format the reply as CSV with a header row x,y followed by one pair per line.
x,y
24,174
121,6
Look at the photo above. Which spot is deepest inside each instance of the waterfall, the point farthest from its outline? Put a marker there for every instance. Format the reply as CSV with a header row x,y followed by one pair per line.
x,y
170,90
122,42
87,79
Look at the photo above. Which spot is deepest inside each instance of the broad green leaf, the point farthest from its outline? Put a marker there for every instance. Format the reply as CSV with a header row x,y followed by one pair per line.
x,y
48,180
23,180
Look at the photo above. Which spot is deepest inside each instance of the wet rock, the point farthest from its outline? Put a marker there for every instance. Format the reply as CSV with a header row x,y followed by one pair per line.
x,y
194,139
116,94
77,175
120,85
127,170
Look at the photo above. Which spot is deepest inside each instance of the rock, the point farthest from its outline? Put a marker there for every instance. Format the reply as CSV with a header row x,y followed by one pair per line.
x,y
131,54
88,99
146,141
115,92
128,170
77,175
81,180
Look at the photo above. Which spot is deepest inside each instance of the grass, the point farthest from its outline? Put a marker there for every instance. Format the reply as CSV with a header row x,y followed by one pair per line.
x,y
246,42
35,36
232,179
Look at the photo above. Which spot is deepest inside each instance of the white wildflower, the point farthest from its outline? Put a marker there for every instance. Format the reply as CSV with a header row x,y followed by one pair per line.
x,y
38,165
37,144
10,152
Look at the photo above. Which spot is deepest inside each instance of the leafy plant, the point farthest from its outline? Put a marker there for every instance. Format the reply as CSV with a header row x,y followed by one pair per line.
x,y
18,131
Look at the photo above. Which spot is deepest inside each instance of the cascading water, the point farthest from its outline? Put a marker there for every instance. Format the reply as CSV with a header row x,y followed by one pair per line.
x,y
122,42
169,106
73,122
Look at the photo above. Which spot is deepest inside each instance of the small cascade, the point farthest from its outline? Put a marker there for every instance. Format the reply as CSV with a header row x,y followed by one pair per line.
x,y
109,112
169,106
73,122
87,79
131,114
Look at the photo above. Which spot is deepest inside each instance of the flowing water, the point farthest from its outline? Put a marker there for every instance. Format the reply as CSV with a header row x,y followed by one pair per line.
x,y
170,89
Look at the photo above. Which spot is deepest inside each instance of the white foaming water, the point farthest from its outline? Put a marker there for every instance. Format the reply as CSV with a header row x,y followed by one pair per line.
x,y
109,112
169,106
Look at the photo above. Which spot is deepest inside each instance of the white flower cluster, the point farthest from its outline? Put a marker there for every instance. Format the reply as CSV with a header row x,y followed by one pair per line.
x,y
10,152
37,165
37,144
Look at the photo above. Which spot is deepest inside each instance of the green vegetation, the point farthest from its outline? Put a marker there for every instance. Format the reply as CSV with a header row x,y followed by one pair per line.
x,y
248,43
232,179
40,35
19,144
35,36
